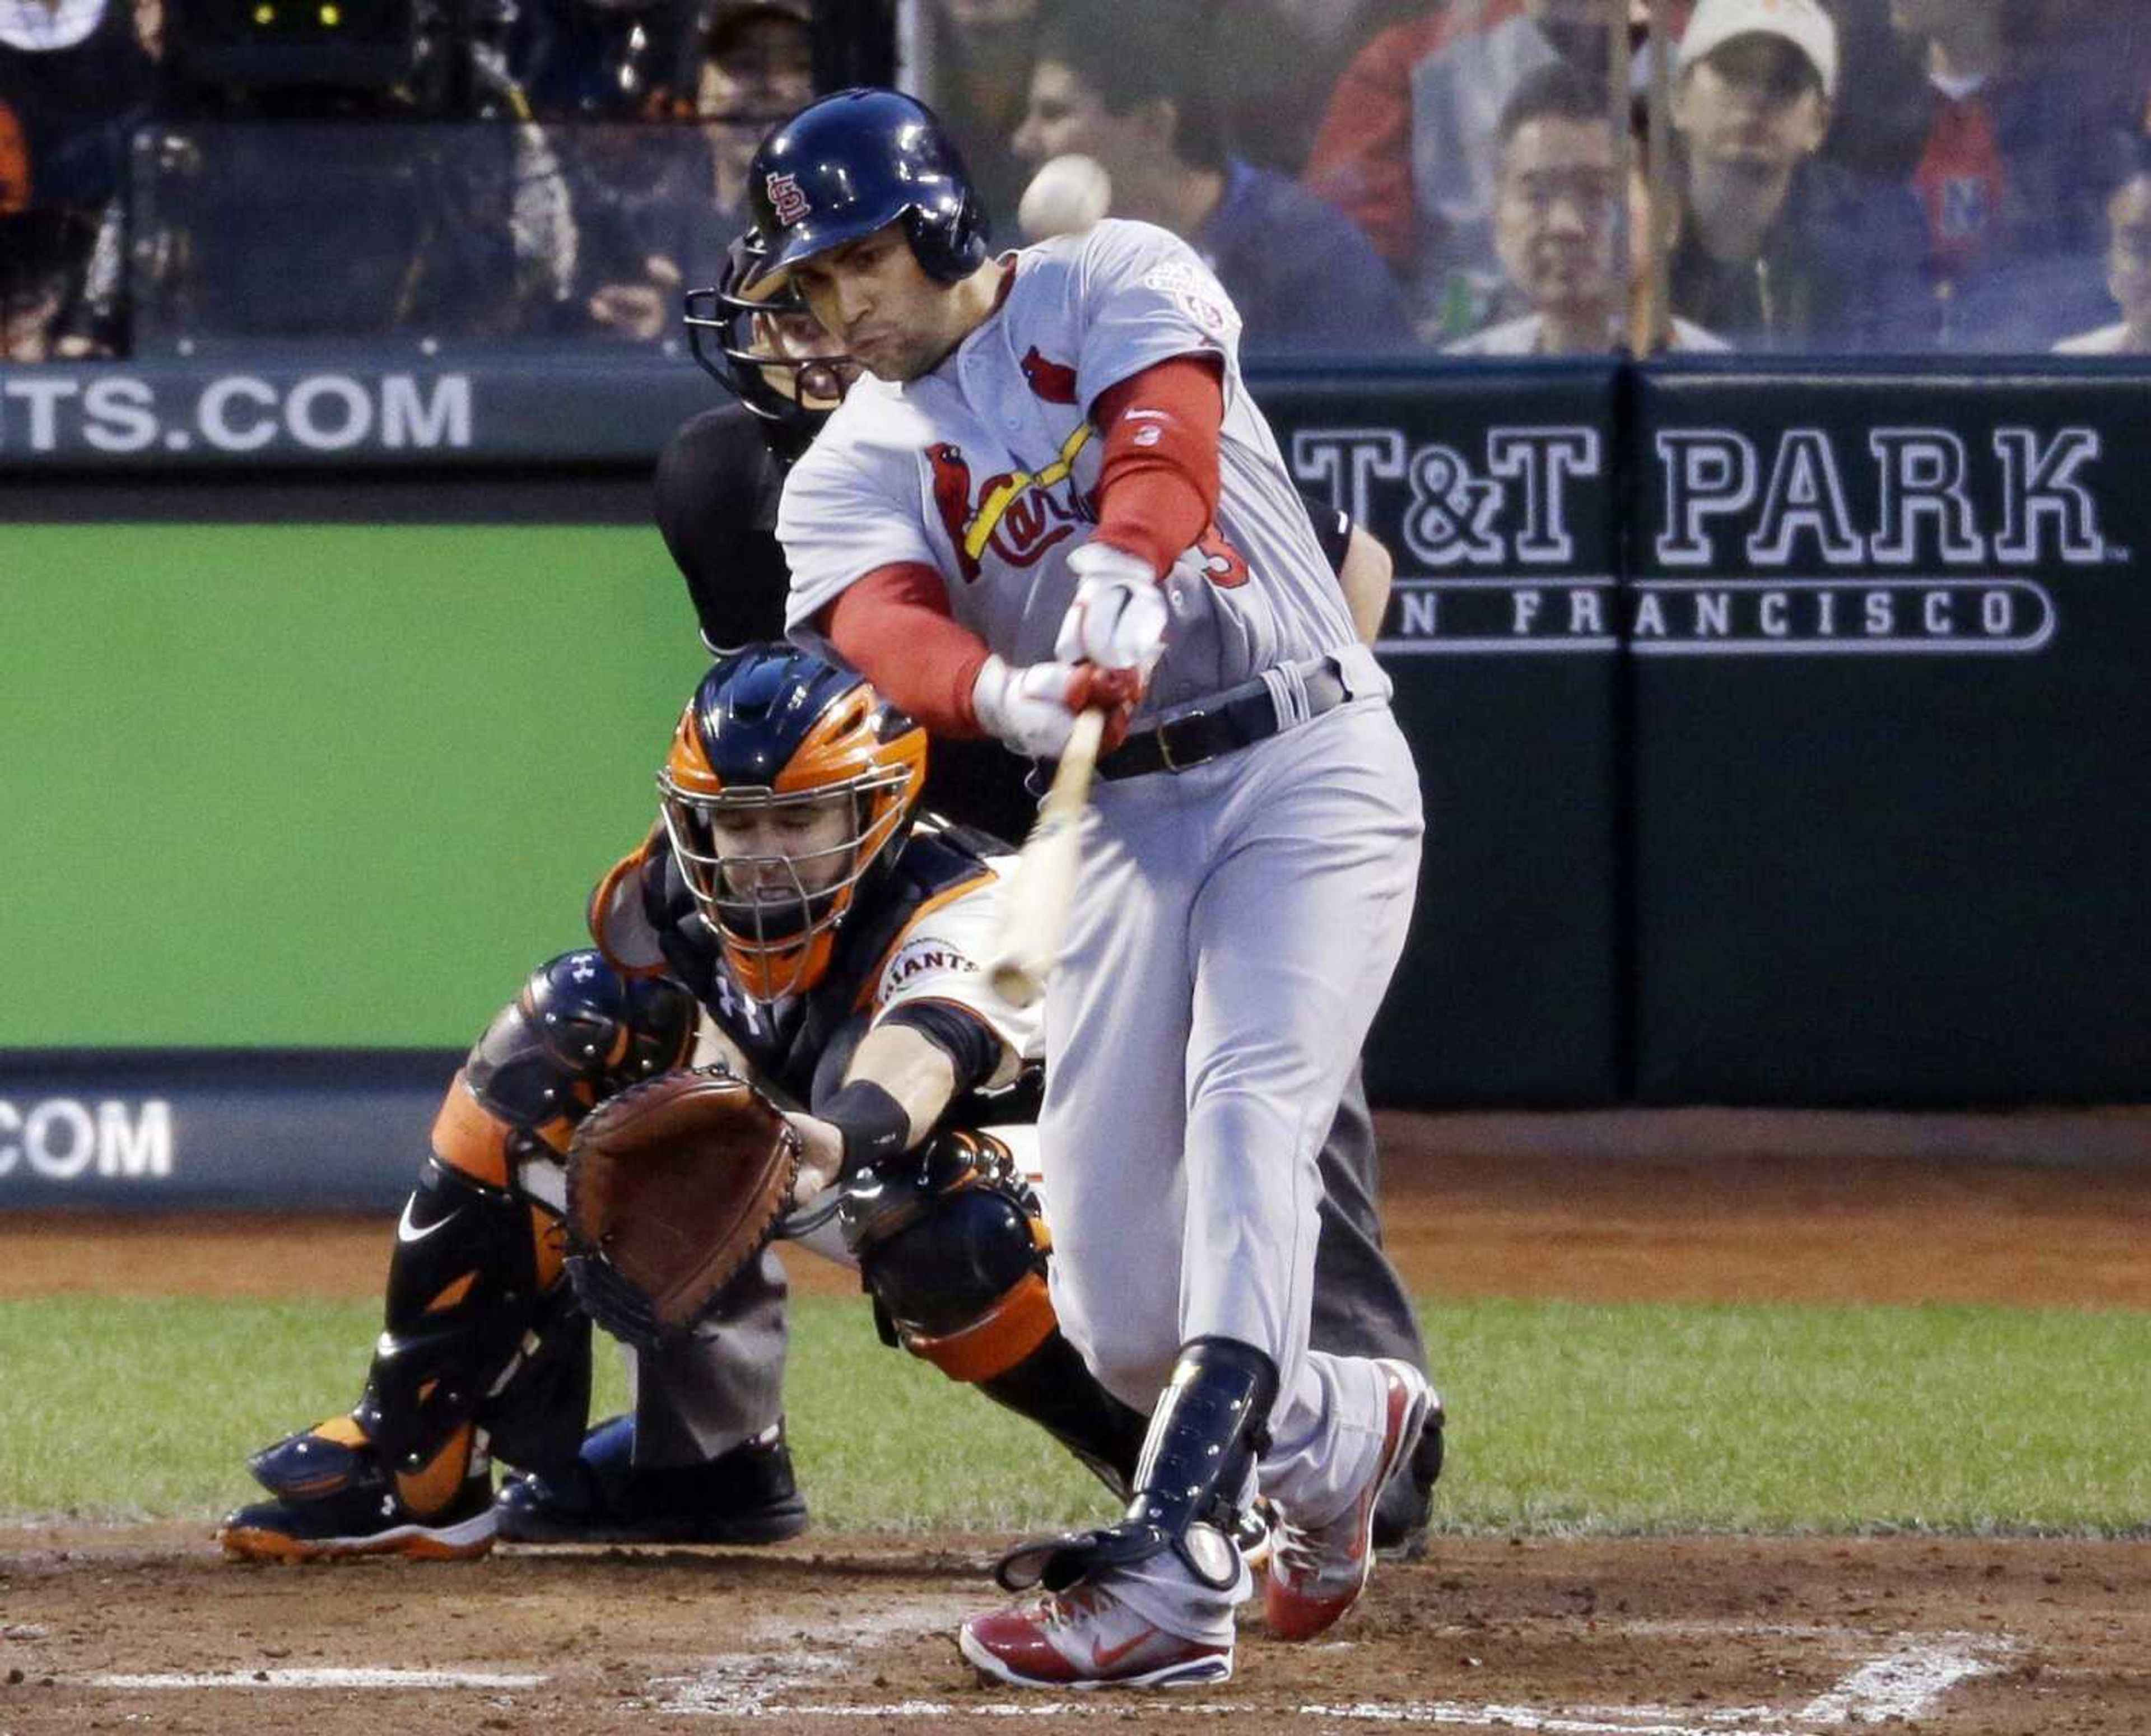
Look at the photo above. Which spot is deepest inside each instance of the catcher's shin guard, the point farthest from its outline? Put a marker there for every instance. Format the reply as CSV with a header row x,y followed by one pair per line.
x,y
468,1342
481,1339
481,1332
465,1291
1204,1436
951,1247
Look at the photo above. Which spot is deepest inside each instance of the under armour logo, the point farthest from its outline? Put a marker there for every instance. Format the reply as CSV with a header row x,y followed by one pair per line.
x,y
582,970
734,1006
785,197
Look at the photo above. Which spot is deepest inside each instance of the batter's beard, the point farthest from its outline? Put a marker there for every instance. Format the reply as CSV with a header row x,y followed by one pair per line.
x,y
916,369
912,364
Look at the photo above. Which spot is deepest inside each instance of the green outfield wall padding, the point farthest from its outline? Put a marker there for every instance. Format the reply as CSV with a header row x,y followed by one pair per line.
x,y
300,785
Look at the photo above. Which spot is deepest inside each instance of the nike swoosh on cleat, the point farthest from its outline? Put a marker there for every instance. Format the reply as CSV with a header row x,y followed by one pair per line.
x,y
1106,1656
405,1233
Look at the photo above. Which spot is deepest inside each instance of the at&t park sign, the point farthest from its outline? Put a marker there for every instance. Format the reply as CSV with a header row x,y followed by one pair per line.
x,y
1903,539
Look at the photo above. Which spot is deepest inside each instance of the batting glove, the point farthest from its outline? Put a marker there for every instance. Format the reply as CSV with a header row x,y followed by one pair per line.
x,y
1118,618
1033,708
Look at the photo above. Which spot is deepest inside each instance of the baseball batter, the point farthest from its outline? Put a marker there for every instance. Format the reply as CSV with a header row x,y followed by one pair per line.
x,y
717,489
1055,493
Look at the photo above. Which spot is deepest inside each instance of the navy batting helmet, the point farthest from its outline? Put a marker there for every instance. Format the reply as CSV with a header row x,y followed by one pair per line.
x,y
844,166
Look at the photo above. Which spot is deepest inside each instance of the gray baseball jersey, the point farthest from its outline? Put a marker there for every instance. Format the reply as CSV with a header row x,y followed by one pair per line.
x,y
985,470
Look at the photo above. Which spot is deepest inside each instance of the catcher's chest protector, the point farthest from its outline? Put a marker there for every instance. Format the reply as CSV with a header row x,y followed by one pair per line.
x,y
785,1042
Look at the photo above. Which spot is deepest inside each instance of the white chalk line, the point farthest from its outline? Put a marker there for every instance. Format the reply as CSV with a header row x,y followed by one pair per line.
x,y
870,1629
744,1685
326,1676
1904,1683
1108,1705
1575,1721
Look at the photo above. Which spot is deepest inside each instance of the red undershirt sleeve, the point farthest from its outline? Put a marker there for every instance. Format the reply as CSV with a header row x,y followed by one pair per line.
x,y
893,626
1157,490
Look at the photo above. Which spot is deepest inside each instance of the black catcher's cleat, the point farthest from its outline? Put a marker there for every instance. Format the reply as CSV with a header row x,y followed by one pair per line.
x,y
364,1517
747,1496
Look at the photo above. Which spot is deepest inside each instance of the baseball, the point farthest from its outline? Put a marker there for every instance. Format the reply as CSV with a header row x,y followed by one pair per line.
x,y
1066,194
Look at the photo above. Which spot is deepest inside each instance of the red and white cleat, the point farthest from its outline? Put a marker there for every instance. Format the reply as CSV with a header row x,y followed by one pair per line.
x,y
1085,1638
1317,1574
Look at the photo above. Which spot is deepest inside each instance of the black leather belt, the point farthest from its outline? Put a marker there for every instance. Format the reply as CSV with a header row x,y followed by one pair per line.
x,y
1195,737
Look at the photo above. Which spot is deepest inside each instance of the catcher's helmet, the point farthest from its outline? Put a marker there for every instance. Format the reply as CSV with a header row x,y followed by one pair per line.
x,y
848,164
766,352
772,741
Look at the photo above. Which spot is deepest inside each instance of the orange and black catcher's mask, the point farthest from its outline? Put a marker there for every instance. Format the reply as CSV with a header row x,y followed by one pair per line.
x,y
788,785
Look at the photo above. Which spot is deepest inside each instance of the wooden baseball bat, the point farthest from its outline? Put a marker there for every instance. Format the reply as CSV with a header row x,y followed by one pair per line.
x,y
1044,880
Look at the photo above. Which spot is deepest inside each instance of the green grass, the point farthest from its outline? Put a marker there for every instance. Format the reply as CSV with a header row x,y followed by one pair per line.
x,y
1660,1417
1564,1418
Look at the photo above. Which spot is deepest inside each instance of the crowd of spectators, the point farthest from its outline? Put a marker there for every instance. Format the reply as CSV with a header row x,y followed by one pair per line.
x,y
1121,90
1365,176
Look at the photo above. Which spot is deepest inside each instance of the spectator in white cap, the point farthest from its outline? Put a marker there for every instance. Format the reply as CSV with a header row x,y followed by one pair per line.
x,y
1779,249
1802,25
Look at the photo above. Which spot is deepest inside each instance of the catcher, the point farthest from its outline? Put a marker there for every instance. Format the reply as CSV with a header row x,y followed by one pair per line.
x,y
796,920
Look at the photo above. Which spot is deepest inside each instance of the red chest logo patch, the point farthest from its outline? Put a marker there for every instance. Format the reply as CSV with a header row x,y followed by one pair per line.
x,y
1050,380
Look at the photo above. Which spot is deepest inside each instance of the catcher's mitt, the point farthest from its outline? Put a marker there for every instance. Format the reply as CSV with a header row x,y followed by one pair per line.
x,y
673,1186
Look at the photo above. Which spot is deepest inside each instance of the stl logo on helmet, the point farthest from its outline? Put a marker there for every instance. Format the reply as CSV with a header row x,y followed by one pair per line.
x,y
786,199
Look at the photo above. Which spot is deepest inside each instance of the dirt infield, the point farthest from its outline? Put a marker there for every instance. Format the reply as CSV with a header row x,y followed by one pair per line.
x,y
146,1628
1606,1638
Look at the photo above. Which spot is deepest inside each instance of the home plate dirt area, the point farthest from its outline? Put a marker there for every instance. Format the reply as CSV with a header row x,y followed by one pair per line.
x,y
146,1628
